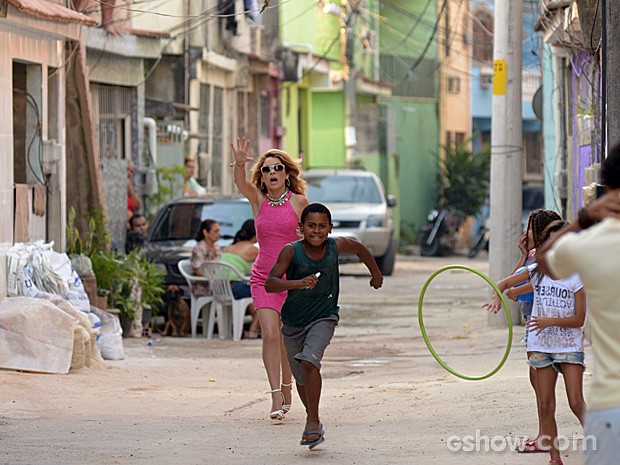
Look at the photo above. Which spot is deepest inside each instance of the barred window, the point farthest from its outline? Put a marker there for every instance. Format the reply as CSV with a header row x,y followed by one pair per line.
x,y
113,113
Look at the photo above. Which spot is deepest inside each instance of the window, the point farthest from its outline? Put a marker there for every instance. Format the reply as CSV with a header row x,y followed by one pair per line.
x,y
215,178
347,189
533,156
482,34
485,140
203,117
27,124
454,85
113,110
210,123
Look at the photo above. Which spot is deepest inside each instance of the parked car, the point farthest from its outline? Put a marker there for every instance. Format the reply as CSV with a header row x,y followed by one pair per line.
x,y
360,209
171,234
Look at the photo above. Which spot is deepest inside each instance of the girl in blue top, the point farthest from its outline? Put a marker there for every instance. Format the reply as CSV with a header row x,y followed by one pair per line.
x,y
555,344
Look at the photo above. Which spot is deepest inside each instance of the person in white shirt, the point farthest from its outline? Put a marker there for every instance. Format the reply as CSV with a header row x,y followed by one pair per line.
x,y
590,246
190,185
555,344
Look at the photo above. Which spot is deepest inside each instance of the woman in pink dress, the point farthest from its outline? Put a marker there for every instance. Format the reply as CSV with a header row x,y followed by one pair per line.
x,y
277,194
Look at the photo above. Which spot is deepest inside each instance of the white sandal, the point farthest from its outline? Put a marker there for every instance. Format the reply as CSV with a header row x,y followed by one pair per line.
x,y
287,407
277,414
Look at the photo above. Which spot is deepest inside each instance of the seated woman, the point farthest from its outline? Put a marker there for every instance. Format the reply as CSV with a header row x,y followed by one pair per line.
x,y
206,249
240,255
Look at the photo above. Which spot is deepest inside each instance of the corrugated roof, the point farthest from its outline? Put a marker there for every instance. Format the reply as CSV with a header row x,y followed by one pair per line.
x,y
52,11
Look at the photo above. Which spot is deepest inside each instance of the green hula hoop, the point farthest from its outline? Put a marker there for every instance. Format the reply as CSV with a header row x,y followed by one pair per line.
x,y
430,346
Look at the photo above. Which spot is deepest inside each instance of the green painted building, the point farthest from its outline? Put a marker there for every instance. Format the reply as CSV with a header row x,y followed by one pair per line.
x,y
349,99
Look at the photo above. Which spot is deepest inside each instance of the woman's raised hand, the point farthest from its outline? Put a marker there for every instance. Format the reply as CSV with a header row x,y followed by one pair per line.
x,y
240,152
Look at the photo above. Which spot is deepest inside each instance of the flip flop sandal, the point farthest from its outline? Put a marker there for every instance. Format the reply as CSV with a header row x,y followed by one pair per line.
x,y
312,444
530,447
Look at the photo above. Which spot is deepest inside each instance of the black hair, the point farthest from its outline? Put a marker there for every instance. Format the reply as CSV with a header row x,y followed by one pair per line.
x,y
134,217
206,224
538,221
316,208
610,172
246,232
551,228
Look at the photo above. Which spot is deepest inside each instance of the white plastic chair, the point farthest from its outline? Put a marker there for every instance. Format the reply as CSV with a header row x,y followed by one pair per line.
x,y
198,302
219,275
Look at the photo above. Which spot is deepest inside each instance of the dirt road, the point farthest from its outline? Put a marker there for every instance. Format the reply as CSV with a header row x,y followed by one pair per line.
x,y
385,399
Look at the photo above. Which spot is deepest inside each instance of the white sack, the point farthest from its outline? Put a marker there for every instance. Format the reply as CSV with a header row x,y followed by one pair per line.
x,y
110,341
35,335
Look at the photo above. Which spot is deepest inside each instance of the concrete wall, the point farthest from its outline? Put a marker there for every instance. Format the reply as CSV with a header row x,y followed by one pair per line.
x,y
455,111
327,136
37,43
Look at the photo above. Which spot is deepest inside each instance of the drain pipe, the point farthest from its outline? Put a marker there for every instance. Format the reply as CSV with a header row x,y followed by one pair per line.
x,y
150,186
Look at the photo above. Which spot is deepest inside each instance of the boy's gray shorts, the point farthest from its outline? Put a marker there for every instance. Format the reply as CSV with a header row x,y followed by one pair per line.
x,y
307,343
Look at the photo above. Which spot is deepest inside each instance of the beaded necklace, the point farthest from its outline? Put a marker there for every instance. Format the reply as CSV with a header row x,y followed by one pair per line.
x,y
279,201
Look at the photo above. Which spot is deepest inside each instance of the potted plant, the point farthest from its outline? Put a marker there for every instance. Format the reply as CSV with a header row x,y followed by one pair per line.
x,y
131,282
80,250
464,177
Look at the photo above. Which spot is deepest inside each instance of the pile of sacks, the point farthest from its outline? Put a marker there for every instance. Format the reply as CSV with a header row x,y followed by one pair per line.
x,y
47,324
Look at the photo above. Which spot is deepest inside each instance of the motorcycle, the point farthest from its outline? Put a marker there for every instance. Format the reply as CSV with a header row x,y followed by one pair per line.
x,y
481,240
438,237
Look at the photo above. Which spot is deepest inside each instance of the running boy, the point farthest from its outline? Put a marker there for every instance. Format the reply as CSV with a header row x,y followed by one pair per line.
x,y
310,312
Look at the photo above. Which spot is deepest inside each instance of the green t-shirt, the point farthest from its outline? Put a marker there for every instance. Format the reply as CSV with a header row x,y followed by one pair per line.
x,y
303,306
238,263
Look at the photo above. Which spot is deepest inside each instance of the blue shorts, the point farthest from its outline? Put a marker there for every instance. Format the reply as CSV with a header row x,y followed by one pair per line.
x,y
543,360
240,289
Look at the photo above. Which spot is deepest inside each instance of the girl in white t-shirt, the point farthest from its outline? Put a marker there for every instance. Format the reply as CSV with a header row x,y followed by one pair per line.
x,y
555,342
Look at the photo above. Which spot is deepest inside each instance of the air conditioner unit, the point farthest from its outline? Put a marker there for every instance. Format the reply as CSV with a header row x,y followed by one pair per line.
x,y
486,77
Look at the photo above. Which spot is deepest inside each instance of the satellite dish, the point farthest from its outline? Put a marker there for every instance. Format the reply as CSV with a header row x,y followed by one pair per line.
x,y
537,103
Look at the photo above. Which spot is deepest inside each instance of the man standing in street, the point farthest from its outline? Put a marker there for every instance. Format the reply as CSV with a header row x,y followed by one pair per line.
x,y
590,246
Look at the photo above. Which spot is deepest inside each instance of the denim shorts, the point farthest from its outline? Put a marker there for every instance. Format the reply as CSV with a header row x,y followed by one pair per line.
x,y
543,360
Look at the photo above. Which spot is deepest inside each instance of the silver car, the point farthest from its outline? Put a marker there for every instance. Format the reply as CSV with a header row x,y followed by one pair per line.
x,y
360,209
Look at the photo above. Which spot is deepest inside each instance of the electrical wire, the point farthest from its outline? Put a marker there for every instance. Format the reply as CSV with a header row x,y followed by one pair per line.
x,y
29,99
413,67
411,30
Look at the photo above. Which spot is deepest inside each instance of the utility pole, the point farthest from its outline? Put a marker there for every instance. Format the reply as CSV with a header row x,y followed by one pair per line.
x,y
506,145
611,66
350,83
